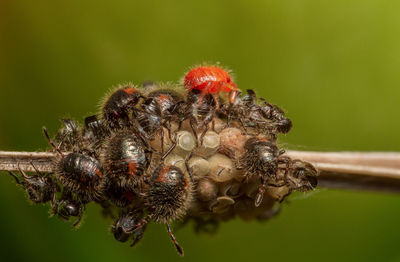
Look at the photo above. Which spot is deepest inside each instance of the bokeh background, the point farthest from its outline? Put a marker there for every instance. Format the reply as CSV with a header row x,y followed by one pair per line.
x,y
332,65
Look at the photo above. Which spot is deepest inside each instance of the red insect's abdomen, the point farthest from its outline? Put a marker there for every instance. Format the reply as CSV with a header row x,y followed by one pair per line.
x,y
209,79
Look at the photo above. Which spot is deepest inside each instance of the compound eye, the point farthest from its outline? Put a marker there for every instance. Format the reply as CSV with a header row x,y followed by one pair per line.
x,y
72,210
228,80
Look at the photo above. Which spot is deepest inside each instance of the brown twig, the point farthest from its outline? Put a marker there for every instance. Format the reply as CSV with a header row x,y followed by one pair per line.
x,y
375,171
10,161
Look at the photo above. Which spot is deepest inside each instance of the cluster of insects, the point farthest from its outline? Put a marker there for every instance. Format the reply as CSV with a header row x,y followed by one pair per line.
x,y
198,151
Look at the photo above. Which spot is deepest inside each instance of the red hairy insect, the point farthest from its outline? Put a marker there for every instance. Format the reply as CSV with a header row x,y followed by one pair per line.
x,y
212,80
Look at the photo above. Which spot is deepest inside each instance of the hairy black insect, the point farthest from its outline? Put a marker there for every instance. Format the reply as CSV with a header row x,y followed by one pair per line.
x,y
167,194
118,107
78,173
125,159
81,175
119,196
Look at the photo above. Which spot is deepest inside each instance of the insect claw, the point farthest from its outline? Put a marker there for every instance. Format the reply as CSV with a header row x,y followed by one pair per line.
x,y
258,200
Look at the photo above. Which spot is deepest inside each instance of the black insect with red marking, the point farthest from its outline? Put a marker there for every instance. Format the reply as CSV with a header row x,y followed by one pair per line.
x,y
200,109
118,107
158,110
81,175
125,227
125,159
78,173
261,159
167,195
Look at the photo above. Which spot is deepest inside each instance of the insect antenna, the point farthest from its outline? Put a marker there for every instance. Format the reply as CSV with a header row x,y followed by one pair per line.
x,y
51,142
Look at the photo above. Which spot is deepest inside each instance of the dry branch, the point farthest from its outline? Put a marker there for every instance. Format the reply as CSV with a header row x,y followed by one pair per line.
x,y
10,161
377,171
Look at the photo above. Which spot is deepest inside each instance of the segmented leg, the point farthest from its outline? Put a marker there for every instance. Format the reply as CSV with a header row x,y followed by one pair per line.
x,y
76,223
15,177
178,247
187,165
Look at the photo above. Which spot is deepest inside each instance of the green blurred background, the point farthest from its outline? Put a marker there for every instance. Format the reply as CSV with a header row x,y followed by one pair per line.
x,y
332,65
